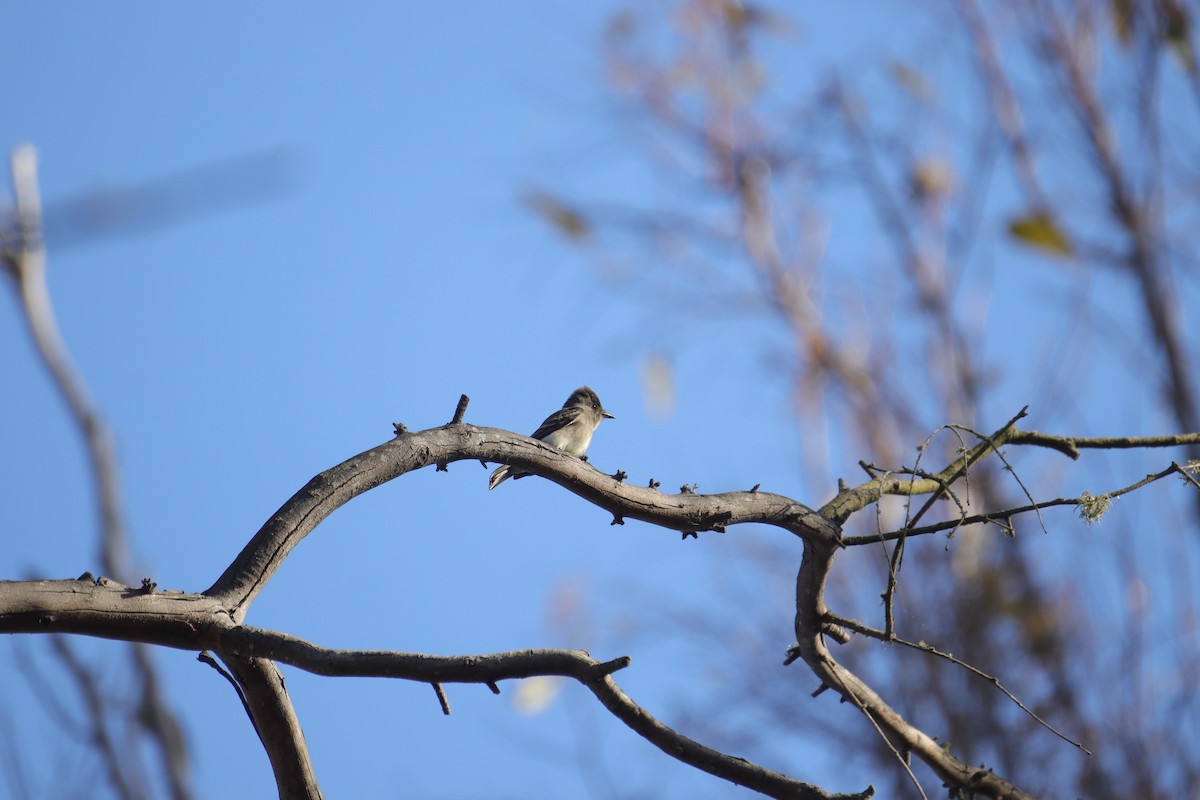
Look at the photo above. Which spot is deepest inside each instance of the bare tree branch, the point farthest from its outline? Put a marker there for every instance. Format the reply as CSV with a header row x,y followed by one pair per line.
x,y
115,611
26,264
278,726
891,638
210,620
23,256
300,515
1003,516
98,722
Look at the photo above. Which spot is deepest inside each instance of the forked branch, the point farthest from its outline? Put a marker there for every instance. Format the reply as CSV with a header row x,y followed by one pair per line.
x,y
212,619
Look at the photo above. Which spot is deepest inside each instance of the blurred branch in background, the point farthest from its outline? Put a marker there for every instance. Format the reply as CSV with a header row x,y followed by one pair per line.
x,y
1029,177
184,196
987,205
143,713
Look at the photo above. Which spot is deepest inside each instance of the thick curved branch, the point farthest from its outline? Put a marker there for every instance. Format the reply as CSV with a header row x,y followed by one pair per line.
x,y
902,735
210,620
249,573
194,622
299,516
488,669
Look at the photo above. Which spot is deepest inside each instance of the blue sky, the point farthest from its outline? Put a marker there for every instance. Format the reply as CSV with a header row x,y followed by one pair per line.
x,y
373,262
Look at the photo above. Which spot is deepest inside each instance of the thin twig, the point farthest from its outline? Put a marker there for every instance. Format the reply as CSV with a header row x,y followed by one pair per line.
x,y
943,482
904,761
442,699
1003,514
207,658
125,785
1186,475
1009,467
885,636
889,594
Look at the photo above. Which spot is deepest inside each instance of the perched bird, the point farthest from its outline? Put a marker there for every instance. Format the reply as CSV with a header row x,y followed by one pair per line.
x,y
569,429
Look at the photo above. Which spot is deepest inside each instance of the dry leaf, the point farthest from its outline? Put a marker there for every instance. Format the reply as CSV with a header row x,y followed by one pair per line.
x,y
1040,231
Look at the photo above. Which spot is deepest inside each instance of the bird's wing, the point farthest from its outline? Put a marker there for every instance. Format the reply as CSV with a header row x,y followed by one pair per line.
x,y
556,421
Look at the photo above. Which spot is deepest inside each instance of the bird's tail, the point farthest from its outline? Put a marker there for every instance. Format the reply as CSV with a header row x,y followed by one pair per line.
x,y
498,477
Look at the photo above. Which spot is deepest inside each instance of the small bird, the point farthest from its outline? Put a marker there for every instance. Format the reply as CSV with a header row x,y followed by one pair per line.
x,y
569,429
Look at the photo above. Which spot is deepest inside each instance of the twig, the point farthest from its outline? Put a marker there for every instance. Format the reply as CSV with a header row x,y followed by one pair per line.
x,y
902,758
441,696
98,719
1186,475
460,410
1017,478
206,657
1004,514
1071,445
885,636
889,594
847,501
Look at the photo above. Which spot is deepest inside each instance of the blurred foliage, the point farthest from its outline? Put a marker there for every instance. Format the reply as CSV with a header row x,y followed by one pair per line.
x,y
854,210
1039,231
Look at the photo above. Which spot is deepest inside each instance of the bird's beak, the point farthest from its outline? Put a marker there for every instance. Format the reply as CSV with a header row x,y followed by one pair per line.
x,y
604,413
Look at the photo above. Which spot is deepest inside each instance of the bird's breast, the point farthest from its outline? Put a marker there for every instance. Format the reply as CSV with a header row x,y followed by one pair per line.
x,y
573,439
